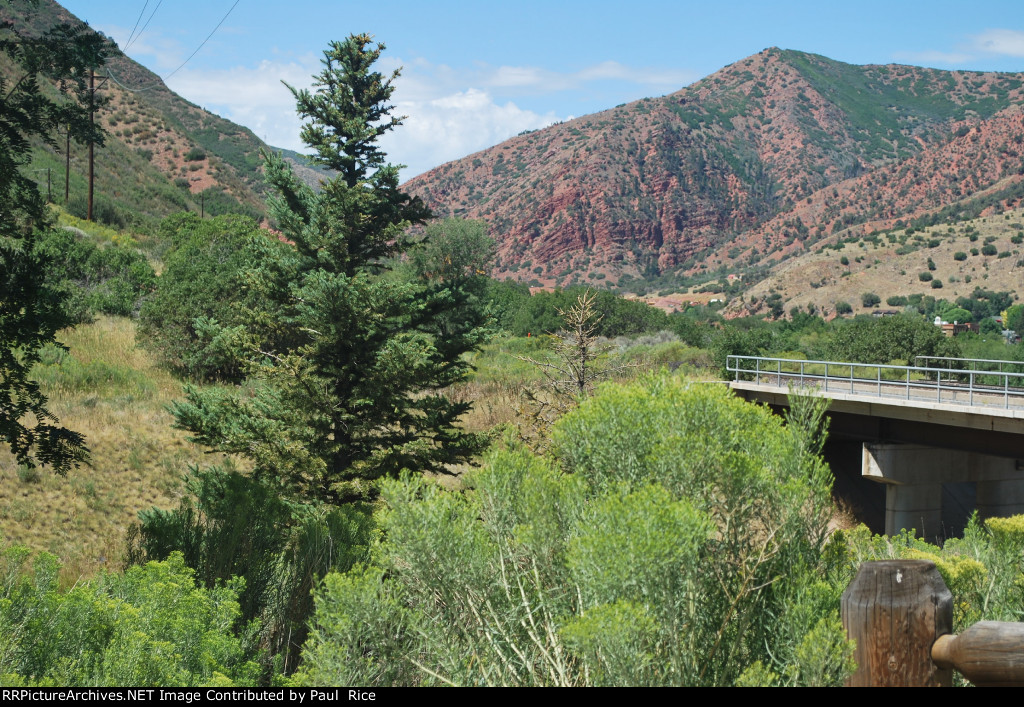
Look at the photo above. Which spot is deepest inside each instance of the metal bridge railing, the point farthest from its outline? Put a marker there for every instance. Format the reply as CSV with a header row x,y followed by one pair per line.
x,y
951,363
960,386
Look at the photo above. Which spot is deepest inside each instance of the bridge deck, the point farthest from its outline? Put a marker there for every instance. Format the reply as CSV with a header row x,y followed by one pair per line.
x,y
957,398
916,385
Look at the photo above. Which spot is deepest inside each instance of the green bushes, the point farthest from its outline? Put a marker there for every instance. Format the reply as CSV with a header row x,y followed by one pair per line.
x,y
1015,318
216,201
870,340
202,283
232,525
96,280
982,569
520,313
150,626
674,542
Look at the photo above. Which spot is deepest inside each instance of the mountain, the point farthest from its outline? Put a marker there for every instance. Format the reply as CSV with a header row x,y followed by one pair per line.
x,y
774,155
162,153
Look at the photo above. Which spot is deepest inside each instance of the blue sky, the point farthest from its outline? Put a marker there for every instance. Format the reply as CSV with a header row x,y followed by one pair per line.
x,y
477,73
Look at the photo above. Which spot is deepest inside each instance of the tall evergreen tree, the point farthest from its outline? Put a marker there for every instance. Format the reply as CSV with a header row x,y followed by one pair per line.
x,y
357,393
31,311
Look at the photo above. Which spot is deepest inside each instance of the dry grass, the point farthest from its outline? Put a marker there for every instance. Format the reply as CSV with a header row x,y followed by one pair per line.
x,y
116,395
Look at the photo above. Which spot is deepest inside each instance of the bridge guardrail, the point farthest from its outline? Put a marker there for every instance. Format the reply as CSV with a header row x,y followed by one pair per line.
x,y
950,363
967,386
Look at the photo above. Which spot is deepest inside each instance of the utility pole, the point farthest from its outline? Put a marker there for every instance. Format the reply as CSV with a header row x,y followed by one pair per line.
x,y
92,113
67,163
49,198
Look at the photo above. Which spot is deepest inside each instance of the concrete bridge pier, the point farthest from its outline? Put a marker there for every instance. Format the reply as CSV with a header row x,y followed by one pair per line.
x,y
915,476
1000,498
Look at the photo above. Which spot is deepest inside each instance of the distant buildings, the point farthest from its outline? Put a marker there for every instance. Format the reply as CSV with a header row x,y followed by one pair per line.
x,y
955,328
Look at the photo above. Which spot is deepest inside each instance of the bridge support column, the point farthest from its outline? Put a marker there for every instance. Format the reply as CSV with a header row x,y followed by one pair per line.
x,y
913,492
1000,499
914,475
917,507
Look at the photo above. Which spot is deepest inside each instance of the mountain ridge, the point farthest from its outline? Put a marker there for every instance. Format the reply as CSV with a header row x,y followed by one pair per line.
x,y
656,190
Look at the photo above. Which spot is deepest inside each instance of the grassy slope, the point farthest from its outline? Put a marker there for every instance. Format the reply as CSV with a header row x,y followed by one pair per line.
x,y
115,394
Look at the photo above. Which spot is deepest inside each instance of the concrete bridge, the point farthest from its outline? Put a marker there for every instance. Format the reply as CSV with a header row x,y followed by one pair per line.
x,y
945,437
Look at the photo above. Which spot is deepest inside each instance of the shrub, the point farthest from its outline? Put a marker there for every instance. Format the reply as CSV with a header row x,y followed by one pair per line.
x,y
989,249
982,569
843,308
150,626
959,255
936,284
870,299
196,154
615,565
98,280
896,301
201,284
231,525
924,276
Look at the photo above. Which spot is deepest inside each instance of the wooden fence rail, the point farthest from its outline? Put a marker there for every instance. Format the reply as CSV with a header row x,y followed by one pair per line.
x,y
900,613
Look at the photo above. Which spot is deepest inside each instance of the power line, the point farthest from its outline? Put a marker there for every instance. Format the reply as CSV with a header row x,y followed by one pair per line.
x,y
137,23
152,15
157,85
150,87
204,41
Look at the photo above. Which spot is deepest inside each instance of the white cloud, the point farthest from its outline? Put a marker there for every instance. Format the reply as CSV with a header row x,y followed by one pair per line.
x,y
437,128
519,76
932,58
453,126
253,97
1007,42
668,78
1000,42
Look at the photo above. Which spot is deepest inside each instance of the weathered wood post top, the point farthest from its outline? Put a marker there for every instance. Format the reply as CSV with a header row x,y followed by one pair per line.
x,y
895,610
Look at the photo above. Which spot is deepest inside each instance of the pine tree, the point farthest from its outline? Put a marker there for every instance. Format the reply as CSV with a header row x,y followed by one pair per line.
x,y
31,311
357,392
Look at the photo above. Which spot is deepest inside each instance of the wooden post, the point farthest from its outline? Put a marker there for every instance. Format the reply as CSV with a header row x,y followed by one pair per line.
x,y
989,654
895,610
